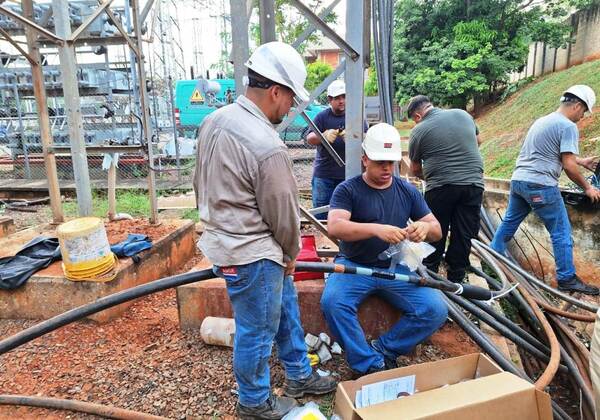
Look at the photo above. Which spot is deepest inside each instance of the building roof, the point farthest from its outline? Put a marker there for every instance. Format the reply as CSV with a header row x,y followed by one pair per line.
x,y
325,44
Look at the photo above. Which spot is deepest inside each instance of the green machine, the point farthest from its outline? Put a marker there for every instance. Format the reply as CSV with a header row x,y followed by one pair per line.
x,y
195,99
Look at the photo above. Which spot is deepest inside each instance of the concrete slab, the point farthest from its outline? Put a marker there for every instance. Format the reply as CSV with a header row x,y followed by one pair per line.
x,y
48,293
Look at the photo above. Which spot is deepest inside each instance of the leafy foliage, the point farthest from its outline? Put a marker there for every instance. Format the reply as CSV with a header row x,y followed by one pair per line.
x,y
289,23
316,73
458,51
371,86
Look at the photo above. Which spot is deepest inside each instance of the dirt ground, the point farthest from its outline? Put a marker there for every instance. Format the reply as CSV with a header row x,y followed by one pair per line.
x,y
117,231
24,220
144,362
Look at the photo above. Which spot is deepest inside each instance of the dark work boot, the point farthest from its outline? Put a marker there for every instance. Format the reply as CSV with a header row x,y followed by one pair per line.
x,y
315,384
390,362
274,408
356,374
576,285
456,276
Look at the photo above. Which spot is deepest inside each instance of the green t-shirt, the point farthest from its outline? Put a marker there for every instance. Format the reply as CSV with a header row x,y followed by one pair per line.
x,y
445,142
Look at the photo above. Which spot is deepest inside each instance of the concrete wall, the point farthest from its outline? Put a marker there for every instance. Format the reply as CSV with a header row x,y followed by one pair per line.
x,y
543,59
585,223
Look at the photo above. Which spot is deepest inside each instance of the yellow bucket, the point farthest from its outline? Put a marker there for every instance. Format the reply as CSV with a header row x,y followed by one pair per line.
x,y
85,250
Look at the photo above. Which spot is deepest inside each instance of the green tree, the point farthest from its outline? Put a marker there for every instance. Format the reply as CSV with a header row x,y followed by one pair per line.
x,y
289,23
371,84
316,73
458,51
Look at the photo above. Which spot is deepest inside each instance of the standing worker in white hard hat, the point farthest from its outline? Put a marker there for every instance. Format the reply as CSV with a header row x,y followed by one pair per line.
x,y
551,145
368,213
327,174
248,202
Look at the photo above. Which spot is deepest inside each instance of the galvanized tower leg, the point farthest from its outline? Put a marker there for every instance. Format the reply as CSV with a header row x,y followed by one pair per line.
x,y
239,34
354,77
145,111
267,21
39,91
68,65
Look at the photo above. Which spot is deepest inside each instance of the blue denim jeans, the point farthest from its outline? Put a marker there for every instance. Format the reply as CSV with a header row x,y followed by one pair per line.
x,y
424,311
547,203
265,308
322,190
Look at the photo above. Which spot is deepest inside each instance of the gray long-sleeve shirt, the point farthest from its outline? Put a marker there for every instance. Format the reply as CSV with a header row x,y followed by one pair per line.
x,y
245,189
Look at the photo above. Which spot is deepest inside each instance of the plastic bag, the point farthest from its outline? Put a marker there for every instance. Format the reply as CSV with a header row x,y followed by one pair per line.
x,y
407,253
309,410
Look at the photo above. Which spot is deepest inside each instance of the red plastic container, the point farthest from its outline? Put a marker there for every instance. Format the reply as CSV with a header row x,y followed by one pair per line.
x,y
308,253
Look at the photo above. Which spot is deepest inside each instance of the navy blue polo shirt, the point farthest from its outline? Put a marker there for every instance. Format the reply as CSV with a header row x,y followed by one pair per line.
x,y
390,206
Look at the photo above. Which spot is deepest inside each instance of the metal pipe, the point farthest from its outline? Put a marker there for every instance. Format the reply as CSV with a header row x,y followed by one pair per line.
x,y
21,129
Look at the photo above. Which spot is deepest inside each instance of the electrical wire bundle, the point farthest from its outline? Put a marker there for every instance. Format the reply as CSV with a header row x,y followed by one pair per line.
x,y
539,327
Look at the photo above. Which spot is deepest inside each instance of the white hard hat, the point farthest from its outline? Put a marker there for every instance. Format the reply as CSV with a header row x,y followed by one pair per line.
x,y
382,142
336,88
585,93
281,63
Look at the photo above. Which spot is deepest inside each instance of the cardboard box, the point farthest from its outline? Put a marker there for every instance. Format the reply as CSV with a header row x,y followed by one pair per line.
x,y
465,387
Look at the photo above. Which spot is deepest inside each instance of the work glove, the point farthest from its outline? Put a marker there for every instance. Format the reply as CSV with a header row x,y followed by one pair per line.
x,y
331,134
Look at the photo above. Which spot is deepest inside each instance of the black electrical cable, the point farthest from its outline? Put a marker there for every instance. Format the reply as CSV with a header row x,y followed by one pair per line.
x,y
521,248
585,390
515,298
492,263
466,290
481,340
514,327
495,285
488,347
514,293
106,302
507,332
534,323
528,277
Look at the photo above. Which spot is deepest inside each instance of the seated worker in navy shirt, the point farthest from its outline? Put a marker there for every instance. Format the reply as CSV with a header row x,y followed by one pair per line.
x,y
367,214
331,122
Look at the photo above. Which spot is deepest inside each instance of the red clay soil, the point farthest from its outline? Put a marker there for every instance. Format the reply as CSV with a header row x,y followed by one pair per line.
x,y
117,231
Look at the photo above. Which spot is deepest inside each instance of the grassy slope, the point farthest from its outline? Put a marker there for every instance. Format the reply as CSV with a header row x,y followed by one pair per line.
x,y
503,128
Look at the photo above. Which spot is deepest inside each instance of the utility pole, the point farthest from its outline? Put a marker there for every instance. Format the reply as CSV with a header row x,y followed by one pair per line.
x,y
39,91
354,75
267,21
68,65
